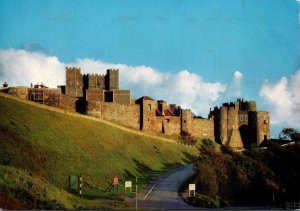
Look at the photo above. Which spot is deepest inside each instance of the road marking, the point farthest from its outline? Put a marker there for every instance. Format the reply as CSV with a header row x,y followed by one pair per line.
x,y
160,180
151,190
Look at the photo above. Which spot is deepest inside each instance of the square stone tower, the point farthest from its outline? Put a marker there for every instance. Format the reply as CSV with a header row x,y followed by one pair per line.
x,y
112,79
74,82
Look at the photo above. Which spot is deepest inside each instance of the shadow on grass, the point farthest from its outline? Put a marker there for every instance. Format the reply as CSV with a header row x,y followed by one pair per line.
x,y
127,174
145,175
189,158
141,167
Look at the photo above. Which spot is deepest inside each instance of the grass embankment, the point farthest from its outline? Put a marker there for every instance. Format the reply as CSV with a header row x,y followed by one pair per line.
x,y
50,146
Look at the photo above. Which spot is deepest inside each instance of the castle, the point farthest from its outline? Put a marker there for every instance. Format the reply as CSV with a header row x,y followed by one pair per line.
x,y
237,124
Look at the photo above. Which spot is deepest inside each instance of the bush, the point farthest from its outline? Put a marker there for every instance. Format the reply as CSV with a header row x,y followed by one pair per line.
x,y
207,180
187,138
250,177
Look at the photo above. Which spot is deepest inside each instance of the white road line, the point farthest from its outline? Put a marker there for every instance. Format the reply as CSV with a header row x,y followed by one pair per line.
x,y
159,182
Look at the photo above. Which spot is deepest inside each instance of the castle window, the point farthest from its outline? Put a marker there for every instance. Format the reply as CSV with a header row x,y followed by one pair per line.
x,y
148,120
168,120
184,121
149,107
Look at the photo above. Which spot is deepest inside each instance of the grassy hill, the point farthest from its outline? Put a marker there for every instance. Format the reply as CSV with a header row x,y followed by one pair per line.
x,y
47,146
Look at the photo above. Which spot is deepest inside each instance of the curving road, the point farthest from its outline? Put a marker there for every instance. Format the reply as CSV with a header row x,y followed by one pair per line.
x,y
162,193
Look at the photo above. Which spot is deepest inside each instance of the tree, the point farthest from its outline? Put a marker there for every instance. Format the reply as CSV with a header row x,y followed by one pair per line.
x,y
286,133
295,137
207,179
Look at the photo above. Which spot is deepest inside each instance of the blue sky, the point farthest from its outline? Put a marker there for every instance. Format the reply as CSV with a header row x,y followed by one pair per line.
x,y
213,41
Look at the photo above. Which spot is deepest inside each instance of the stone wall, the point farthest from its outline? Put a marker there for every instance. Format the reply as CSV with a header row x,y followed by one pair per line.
x,y
202,128
21,92
171,125
95,95
96,81
121,96
127,115
93,108
68,102
46,96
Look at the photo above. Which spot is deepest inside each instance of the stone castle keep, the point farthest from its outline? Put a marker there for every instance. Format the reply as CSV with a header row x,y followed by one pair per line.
x,y
237,124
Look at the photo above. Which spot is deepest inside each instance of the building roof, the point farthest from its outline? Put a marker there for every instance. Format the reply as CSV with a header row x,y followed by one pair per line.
x,y
167,112
145,98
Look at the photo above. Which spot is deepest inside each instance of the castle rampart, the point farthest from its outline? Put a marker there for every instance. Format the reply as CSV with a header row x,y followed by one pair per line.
x,y
236,124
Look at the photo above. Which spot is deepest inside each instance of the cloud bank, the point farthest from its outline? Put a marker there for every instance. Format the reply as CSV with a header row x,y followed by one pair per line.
x,y
20,67
283,99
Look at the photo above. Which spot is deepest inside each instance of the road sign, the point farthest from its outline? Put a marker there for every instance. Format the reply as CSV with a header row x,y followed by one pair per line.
x,y
73,183
116,180
128,184
192,187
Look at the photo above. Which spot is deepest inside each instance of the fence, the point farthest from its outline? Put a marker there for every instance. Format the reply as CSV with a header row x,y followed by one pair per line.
x,y
292,205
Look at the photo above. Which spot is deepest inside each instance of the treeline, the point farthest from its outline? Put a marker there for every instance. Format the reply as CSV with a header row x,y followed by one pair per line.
x,y
249,178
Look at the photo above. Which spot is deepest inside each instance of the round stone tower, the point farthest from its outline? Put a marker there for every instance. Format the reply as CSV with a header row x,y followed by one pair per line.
x,y
223,124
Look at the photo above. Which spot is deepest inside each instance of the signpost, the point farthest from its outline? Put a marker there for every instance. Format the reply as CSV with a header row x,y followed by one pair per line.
x,y
136,190
80,185
192,187
128,184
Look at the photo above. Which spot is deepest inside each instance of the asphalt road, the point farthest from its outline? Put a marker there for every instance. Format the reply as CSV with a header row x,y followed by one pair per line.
x,y
164,190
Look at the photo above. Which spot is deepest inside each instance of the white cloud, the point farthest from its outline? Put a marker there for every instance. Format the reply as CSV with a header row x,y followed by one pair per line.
x,y
283,99
19,67
234,88
238,76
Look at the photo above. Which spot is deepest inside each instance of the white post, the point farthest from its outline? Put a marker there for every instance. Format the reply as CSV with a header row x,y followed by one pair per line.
x,y
136,190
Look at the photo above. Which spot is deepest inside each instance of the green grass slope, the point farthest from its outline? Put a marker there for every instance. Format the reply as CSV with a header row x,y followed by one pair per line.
x,y
52,145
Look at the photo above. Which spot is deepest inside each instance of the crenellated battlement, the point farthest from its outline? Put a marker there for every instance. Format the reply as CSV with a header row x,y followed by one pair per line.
x,y
113,70
73,69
